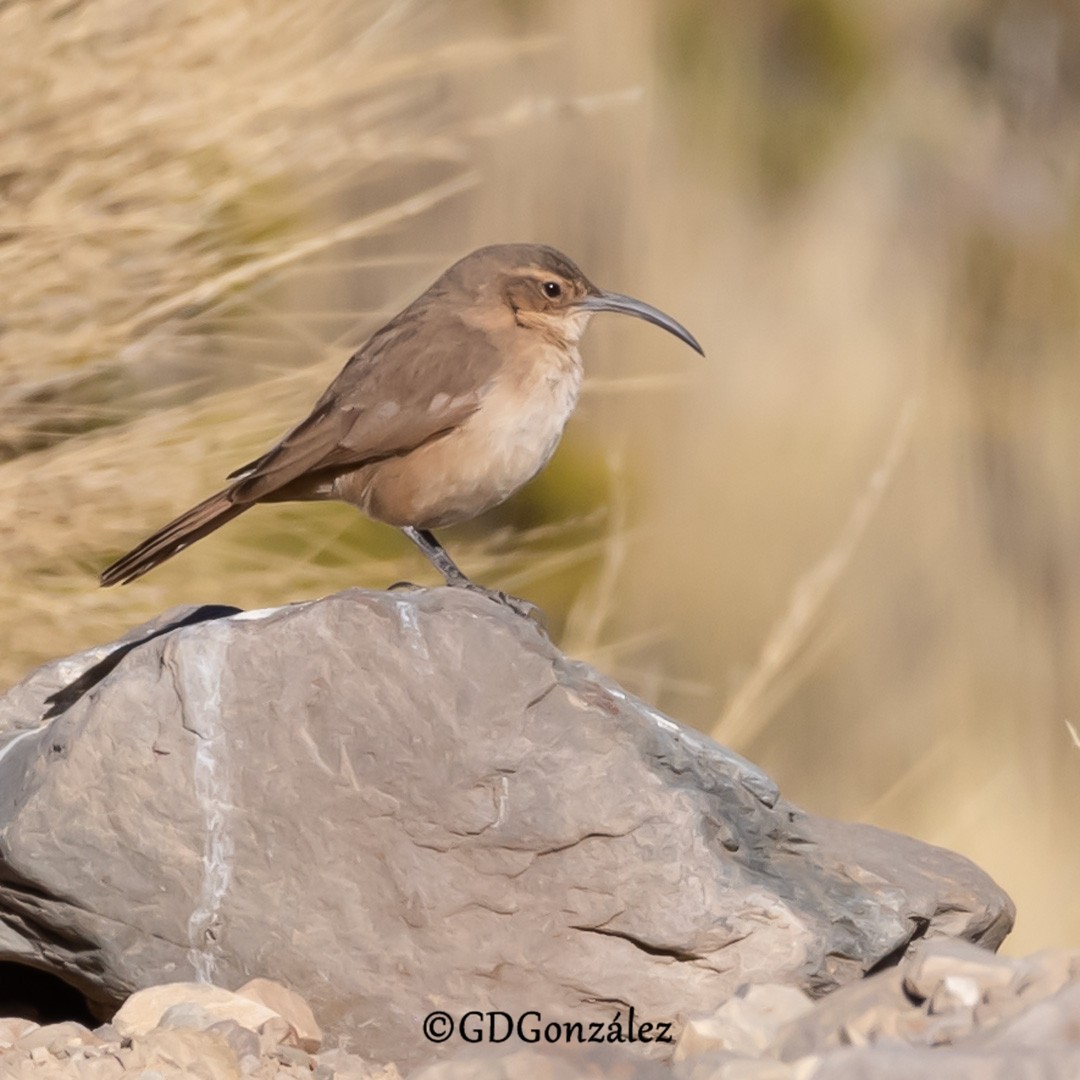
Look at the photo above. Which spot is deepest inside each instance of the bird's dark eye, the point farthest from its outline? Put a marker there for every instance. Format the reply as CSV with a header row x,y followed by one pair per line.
x,y
552,289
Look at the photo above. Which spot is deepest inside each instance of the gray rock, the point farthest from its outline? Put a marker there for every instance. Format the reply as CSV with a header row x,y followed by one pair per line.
x,y
395,803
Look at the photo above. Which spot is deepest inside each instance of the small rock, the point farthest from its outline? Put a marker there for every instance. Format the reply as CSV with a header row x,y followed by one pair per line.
x,y
273,1032
387,1072
104,1067
244,1042
1037,978
289,1005
58,1037
940,959
346,1066
745,1024
955,992
293,1055
948,1028
1045,973
186,1014
1053,1022
863,1011
201,1054
143,1011
13,1028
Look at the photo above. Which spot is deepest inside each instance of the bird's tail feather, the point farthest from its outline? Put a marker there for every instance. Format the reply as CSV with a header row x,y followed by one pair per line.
x,y
190,526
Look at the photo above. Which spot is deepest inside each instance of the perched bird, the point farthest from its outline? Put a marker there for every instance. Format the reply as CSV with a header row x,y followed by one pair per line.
x,y
442,414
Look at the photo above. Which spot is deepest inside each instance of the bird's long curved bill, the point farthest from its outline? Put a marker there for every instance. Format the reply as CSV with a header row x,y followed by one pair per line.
x,y
627,305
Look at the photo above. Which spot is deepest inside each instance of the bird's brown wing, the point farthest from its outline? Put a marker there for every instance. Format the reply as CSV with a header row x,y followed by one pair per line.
x,y
417,378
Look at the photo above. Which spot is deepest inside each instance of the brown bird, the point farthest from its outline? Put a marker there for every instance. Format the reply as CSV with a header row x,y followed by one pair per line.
x,y
439,416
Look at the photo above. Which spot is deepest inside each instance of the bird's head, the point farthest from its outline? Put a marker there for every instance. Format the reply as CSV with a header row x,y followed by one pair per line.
x,y
546,292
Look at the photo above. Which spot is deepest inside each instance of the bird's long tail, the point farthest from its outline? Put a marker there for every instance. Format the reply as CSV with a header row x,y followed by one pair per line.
x,y
193,525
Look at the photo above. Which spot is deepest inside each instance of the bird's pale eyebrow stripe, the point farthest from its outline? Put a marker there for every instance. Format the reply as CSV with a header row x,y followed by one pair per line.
x,y
544,275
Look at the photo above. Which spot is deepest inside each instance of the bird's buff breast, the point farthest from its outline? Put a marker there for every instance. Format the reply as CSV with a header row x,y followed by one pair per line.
x,y
500,447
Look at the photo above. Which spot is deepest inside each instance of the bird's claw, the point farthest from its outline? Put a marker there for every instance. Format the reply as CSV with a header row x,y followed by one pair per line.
x,y
525,608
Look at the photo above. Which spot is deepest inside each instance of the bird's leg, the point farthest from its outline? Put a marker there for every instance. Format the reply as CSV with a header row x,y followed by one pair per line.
x,y
437,555
425,540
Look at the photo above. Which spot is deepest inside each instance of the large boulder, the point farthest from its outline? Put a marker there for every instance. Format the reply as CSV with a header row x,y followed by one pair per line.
x,y
407,802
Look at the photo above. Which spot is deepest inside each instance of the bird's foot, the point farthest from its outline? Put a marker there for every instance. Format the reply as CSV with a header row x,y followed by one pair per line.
x,y
524,608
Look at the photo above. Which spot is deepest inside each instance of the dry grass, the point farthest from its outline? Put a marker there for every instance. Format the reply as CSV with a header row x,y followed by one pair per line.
x,y
853,206
745,713
186,189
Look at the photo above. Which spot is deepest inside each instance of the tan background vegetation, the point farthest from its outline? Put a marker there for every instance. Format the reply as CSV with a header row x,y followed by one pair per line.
x,y
847,544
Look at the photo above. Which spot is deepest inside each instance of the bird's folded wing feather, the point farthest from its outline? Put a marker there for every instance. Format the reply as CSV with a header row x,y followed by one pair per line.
x,y
416,379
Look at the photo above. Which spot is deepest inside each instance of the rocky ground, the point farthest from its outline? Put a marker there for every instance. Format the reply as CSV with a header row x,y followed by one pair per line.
x,y
178,1030
950,1010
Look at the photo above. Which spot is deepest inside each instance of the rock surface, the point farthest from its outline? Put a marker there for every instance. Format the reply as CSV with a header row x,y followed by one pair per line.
x,y
396,803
